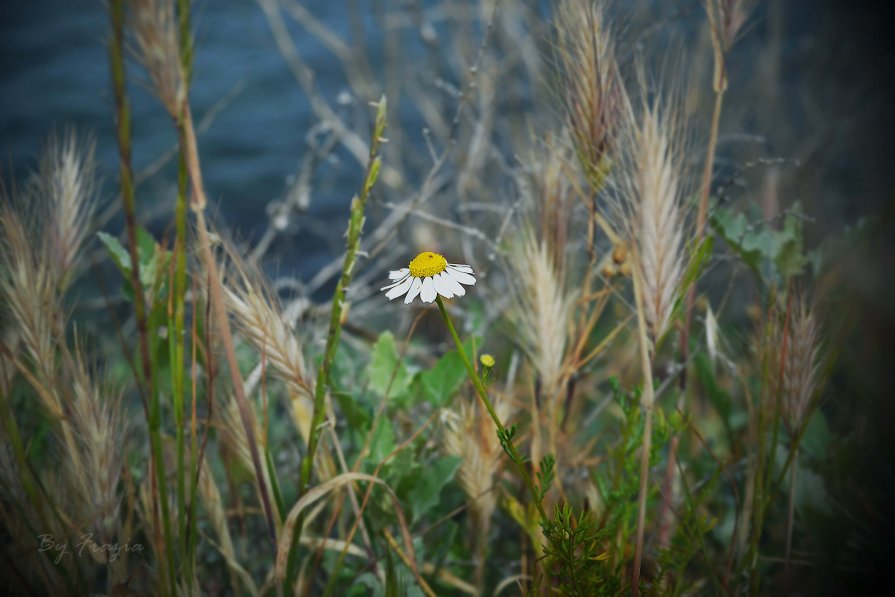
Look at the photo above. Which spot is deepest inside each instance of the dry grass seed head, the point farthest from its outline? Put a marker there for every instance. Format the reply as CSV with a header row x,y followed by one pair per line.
x,y
593,95
800,364
543,310
261,322
100,427
67,184
650,202
30,302
155,30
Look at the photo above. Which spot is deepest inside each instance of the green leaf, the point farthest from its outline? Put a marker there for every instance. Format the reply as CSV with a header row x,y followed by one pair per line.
x,y
382,442
816,440
383,365
153,273
441,382
790,258
733,228
424,487
119,254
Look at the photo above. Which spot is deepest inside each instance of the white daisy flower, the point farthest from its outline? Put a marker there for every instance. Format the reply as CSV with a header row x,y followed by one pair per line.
x,y
428,275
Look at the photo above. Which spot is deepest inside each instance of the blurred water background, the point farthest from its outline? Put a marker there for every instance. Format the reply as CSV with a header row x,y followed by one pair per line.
x,y
54,74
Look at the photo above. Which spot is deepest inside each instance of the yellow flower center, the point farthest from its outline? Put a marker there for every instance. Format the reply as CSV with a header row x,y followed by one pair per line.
x,y
427,264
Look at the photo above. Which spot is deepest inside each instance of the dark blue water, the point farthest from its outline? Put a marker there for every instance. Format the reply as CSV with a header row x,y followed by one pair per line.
x,y
54,74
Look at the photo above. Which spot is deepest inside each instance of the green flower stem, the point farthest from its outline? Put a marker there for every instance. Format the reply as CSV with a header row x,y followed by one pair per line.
x,y
510,448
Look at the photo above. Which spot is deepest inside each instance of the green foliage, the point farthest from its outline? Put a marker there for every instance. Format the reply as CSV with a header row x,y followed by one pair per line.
x,y
441,382
575,556
422,488
546,474
772,254
388,376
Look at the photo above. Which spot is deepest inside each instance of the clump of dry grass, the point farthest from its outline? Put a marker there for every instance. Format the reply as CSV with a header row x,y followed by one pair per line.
x,y
44,230
593,96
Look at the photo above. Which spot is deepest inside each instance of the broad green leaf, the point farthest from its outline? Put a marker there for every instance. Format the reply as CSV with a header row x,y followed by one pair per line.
x,y
442,381
423,488
383,365
383,441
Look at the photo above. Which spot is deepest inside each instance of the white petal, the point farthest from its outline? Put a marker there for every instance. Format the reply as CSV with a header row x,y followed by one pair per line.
x,y
443,286
427,294
452,284
414,290
461,277
398,274
392,285
463,268
399,289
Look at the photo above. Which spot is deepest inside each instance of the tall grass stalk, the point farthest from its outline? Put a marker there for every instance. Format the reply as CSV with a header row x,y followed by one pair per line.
x,y
725,19
355,229
153,408
647,401
187,519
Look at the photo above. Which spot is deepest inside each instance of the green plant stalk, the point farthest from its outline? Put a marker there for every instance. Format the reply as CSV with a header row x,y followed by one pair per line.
x,y
122,110
764,476
187,521
510,447
355,228
176,351
647,401
684,337
790,511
